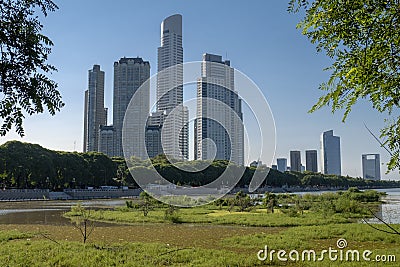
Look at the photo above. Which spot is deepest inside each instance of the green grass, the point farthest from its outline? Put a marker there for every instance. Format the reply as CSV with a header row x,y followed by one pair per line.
x,y
212,215
238,250
13,234
328,208
46,253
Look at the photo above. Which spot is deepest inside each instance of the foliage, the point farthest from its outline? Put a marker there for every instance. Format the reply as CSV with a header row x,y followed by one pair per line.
x,y
24,86
171,214
24,165
363,40
243,202
146,203
289,210
80,217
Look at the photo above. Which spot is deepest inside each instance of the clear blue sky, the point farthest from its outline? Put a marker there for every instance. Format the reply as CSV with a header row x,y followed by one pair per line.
x,y
259,37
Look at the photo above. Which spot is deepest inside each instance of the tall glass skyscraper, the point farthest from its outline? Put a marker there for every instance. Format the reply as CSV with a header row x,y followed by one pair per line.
x,y
129,75
330,153
295,161
170,89
281,164
219,131
371,166
311,161
94,112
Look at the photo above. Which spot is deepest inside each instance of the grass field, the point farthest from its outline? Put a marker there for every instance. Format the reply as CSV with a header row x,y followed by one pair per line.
x,y
203,236
184,245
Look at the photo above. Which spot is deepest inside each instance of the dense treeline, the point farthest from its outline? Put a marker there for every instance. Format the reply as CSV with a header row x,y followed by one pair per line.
x,y
24,165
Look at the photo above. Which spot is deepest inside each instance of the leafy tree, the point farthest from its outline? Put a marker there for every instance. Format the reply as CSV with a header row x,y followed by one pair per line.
x,y
81,220
270,201
363,40
146,203
243,201
171,214
24,86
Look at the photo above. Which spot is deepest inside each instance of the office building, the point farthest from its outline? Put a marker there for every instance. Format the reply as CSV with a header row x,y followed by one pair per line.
x,y
153,134
371,166
94,112
281,164
129,75
330,153
170,89
311,161
295,161
219,124
106,140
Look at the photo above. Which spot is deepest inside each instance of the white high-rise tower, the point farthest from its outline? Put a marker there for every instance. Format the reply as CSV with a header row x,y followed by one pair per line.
x,y
170,89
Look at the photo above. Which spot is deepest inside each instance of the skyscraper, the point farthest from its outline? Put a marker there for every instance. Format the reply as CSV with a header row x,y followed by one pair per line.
x,y
170,88
153,134
95,113
129,75
311,161
330,153
219,124
371,166
295,161
106,140
282,164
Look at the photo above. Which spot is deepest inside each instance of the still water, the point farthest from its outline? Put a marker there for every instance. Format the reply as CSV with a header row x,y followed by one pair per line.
x,y
47,212
50,212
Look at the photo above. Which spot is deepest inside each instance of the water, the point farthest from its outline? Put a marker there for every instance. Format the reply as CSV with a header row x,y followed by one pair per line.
x,y
46,212
390,211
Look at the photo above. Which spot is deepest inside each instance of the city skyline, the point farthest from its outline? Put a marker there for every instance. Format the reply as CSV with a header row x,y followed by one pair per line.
x,y
279,59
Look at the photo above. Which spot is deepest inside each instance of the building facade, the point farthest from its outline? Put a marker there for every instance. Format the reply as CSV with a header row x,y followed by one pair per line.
x,y
311,160
153,134
295,161
170,89
330,153
371,166
219,130
106,140
281,164
95,114
129,75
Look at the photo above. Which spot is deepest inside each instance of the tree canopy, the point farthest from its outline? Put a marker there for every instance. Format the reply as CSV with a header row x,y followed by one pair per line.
x,y
363,39
24,86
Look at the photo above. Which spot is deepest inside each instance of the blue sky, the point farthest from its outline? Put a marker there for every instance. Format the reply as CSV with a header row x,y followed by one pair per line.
x,y
259,37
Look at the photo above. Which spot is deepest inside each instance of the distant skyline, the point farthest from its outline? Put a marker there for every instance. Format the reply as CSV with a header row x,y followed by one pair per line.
x,y
262,42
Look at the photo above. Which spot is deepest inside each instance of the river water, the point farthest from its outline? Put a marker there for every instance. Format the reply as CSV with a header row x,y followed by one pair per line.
x,y
50,212
47,212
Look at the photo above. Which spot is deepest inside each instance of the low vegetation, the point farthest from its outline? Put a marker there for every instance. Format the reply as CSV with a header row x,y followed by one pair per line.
x,y
273,210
